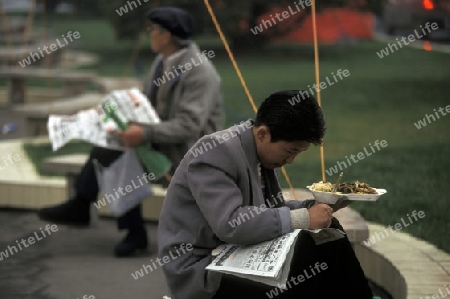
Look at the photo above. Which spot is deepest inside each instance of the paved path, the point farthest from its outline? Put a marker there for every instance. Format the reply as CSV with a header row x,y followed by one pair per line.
x,y
72,262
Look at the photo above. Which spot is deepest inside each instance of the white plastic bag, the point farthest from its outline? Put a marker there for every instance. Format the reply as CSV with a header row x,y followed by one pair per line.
x,y
124,183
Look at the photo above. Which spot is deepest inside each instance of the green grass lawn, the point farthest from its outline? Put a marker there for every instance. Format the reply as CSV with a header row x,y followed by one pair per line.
x,y
380,100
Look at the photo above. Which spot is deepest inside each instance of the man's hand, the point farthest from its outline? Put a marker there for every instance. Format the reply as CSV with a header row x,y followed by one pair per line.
x,y
340,204
132,137
320,216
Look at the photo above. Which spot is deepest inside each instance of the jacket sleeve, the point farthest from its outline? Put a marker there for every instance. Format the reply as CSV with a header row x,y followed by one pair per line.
x,y
212,182
200,90
299,204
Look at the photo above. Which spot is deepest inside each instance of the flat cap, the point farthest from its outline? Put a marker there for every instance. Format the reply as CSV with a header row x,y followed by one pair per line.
x,y
176,20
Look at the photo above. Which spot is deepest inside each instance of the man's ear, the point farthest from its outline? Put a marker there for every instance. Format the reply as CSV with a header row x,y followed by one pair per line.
x,y
262,133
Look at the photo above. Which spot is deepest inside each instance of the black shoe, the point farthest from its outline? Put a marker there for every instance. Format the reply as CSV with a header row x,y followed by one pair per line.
x,y
72,212
135,241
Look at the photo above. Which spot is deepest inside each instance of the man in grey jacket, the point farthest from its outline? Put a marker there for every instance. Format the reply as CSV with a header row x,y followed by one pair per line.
x,y
231,175
184,88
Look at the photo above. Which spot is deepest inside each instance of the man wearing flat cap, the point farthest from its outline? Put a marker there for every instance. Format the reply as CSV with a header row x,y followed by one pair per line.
x,y
184,88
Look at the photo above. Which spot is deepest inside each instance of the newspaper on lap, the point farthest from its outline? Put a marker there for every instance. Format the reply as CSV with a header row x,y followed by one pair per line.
x,y
94,127
268,262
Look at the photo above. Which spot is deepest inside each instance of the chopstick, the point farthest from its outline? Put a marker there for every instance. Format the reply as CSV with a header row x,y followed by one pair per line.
x,y
337,182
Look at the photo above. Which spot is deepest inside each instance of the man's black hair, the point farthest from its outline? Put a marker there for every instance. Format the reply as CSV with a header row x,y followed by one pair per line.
x,y
292,115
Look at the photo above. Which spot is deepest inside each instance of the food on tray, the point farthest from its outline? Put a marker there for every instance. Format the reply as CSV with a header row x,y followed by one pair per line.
x,y
355,187
321,186
330,193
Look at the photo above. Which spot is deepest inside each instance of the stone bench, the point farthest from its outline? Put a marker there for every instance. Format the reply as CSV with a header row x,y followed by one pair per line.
x,y
109,84
35,115
18,39
70,166
74,82
10,56
14,25
405,266
15,39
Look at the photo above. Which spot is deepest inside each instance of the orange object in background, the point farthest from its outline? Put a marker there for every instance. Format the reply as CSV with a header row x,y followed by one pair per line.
x,y
427,46
428,4
333,25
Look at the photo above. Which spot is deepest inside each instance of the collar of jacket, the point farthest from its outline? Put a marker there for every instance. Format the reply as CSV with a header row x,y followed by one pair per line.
x,y
182,57
175,55
248,146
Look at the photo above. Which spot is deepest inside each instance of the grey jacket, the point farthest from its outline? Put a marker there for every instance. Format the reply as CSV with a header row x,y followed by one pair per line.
x,y
190,104
216,183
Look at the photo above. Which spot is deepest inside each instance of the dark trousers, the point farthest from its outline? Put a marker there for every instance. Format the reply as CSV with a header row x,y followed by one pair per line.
x,y
342,278
87,186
